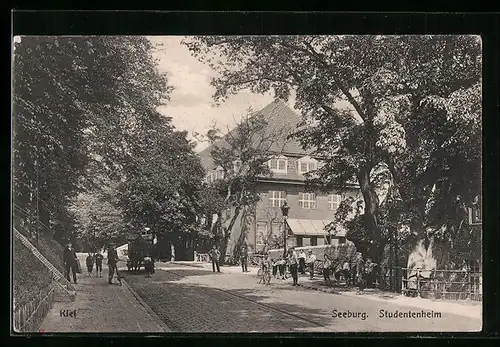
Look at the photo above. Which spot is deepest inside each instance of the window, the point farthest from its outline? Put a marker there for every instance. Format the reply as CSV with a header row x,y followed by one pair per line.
x,y
307,200
278,164
277,198
314,241
334,201
307,164
300,241
261,233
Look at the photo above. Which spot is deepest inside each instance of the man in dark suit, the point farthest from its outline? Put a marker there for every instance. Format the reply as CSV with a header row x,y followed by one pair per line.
x,y
244,258
214,255
112,264
70,259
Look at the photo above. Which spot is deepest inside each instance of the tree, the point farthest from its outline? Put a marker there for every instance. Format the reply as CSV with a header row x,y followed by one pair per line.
x,y
162,183
75,102
240,158
398,92
99,220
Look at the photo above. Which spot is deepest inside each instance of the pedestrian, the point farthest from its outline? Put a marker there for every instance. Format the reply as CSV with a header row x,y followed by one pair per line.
x,y
70,262
353,265
214,257
274,263
90,264
360,271
369,272
112,265
293,263
311,260
327,263
302,262
346,272
281,267
244,259
149,266
98,264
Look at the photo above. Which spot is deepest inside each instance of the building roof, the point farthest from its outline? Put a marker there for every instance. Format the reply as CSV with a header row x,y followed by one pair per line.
x,y
280,119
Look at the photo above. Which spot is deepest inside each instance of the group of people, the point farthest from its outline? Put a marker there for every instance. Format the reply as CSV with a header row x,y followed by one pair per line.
x,y
361,273
96,259
71,263
293,261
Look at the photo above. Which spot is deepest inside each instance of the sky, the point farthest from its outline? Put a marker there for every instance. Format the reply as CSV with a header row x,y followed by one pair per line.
x,y
191,105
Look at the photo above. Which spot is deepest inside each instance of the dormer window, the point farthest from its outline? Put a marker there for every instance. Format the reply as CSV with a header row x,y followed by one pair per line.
x,y
307,164
278,164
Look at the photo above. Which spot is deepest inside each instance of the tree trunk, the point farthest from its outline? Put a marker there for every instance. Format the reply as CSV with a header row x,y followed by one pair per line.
x,y
227,234
371,200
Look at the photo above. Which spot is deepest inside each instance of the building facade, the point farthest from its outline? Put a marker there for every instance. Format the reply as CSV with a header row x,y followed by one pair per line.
x,y
309,212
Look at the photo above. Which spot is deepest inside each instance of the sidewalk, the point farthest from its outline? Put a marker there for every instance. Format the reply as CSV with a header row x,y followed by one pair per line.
x,y
101,307
469,309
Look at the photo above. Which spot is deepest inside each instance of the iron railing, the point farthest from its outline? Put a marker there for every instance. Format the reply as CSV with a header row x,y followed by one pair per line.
x,y
436,284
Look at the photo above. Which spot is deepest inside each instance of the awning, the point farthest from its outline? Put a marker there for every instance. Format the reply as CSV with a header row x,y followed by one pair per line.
x,y
308,227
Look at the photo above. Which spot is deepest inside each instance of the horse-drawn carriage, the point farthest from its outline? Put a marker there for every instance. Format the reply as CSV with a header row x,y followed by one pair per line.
x,y
140,251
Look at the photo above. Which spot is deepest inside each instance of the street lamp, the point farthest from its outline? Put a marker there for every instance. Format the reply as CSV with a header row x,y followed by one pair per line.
x,y
284,212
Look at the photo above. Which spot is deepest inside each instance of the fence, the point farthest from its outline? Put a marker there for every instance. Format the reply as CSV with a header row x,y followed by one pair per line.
x,y
253,259
435,284
29,316
201,257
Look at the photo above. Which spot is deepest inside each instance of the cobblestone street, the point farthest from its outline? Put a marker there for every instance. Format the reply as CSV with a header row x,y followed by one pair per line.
x,y
190,299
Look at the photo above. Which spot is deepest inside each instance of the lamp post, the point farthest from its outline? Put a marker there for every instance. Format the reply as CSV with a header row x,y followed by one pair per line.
x,y
284,212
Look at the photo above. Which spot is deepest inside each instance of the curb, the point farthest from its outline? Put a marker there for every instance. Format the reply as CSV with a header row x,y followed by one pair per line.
x,y
155,317
319,289
191,265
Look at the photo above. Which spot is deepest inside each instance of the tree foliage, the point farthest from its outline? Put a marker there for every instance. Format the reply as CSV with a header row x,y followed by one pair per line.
x,y
240,156
162,182
78,103
99,219
407,104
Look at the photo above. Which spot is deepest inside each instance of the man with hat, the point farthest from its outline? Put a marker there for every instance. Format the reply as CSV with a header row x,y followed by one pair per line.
x,y
70,262
244,258
293,263
311,259
112,264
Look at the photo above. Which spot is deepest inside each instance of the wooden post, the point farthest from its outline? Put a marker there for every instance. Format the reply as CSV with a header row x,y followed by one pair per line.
x,y
418,283
392,282
434,284
469,286
285,234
